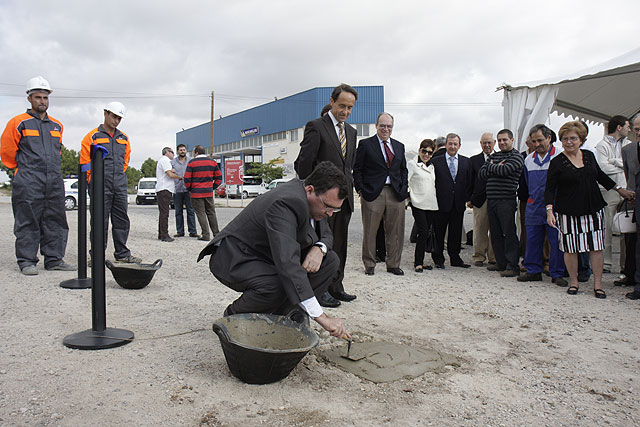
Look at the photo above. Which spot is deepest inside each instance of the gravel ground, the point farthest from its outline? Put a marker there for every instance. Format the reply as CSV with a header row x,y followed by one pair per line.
x,y
531,354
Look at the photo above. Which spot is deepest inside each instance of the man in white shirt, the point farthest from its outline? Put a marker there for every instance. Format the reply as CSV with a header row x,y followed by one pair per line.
x,y
482,248
165,186
609,155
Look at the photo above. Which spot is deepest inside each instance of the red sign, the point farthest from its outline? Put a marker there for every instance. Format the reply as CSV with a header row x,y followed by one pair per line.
x,y
233,172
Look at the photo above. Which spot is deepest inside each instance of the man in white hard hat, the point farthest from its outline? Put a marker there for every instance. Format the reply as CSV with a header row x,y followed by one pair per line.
x,y
118,149
32,143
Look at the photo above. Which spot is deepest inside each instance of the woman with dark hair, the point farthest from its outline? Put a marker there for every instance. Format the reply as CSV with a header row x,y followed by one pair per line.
x,y
422,193
572,192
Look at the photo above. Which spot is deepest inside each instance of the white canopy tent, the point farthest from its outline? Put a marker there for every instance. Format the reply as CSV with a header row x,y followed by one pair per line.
x,y
594,94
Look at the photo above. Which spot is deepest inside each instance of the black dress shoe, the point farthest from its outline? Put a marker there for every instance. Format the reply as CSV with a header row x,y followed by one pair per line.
x,y
369,271
342,296
530,277
633,295
623,282
380,258
326,300
395,270
460,264
440,265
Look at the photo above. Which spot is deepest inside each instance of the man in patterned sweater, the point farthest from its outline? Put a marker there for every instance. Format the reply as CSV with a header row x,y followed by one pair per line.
x,y
502,173
201,177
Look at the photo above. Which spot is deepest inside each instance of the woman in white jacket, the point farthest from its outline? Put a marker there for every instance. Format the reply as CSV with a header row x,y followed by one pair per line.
x,y
422,193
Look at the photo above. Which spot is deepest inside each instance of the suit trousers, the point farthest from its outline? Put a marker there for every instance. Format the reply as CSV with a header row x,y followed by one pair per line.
x,y
612,198
534,255
178,200
339,224
449,223
504,237
206,213
482,248
386,206
164,197
263,293
630,241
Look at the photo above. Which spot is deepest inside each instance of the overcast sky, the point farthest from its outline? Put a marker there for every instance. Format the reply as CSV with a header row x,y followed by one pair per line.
x,y
439,62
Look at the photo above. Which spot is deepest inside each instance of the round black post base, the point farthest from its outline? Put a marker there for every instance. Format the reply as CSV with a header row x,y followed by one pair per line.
x,y
76,283
93,340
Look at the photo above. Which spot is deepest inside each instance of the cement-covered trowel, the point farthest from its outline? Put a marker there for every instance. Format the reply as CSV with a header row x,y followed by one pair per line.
x,y
356,355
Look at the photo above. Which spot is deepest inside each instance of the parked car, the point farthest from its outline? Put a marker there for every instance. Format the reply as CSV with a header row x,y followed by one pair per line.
x,y
71,193
251,186
146,189
221,191
273,184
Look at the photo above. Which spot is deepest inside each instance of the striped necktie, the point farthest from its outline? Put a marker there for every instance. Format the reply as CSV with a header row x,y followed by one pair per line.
x,y
343,139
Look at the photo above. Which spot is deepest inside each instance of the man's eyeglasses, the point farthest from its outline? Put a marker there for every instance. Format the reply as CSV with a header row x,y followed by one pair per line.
x,y
425,151
327,207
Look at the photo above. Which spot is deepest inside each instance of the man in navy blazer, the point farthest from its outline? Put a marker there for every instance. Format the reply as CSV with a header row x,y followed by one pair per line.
x,y
380,176
321,142
454,185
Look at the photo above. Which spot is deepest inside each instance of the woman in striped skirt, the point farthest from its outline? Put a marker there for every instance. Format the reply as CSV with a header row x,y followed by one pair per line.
x,y
575,205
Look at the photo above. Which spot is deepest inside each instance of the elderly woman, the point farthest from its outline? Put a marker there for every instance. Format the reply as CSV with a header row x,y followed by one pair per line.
x,y
422,192
572,192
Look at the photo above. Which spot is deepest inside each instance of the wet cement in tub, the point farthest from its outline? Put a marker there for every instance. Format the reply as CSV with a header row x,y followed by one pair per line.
x,y
266,335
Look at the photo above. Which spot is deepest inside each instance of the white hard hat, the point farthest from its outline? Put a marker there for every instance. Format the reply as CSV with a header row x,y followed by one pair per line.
x,y
38,83
116,108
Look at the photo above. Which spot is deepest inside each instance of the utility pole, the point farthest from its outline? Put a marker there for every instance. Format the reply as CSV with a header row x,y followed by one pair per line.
x,y
211,152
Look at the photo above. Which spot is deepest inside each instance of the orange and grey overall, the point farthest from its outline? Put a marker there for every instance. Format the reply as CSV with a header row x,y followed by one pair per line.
x,y
33,146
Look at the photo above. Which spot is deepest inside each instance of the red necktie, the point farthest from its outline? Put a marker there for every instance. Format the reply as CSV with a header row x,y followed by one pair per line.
x,y
389,153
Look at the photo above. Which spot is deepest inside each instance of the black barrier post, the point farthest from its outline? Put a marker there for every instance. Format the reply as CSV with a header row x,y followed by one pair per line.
x,y
81,282
99,336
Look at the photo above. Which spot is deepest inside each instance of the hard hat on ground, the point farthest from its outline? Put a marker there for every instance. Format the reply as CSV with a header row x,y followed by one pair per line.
x,y
116,108
38,83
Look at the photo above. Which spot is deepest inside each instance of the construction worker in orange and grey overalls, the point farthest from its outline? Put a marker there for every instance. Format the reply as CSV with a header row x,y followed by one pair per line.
x,y
31,144
116,198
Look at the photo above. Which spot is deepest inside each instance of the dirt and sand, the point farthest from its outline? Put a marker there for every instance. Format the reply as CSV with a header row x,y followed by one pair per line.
x,y
529,353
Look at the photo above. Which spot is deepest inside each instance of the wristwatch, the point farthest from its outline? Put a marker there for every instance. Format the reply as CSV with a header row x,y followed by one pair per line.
x,y
322,246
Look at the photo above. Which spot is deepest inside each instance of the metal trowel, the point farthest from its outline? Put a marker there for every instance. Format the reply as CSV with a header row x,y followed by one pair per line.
x,y
356,355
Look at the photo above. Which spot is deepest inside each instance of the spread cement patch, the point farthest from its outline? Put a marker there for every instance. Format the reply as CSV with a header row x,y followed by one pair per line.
x,y
383,361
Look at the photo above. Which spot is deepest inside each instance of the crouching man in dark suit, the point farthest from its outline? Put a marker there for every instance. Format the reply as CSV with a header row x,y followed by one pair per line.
x,y
277,251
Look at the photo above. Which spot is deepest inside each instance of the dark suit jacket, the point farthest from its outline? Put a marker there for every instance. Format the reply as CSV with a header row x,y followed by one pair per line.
x,y
631,165
320,143
370,169
272,235
479,193
452,194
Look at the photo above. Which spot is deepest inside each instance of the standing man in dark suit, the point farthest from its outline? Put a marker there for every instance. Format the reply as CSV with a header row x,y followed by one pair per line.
x,y
631,166
380,176
277,251
454,183
330,138
482,248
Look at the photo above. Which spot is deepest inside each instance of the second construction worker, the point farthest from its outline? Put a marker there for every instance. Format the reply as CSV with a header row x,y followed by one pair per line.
x,y
116,201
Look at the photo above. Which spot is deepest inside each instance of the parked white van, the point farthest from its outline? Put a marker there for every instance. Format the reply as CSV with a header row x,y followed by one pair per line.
x,y
146,191
251,186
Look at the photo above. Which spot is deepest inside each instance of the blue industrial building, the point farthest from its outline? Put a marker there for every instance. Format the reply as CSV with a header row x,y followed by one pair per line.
x,y
275,130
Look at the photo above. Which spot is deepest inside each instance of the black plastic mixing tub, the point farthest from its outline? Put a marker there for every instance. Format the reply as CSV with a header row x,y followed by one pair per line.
x,y
133,276
263,348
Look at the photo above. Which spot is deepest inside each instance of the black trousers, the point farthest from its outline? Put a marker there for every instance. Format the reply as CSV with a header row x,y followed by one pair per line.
x,y
504,237
630,241
451,221
423,221
339,223
265,294
164,197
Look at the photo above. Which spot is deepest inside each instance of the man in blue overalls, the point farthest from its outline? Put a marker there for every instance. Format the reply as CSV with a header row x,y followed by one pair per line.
x,y
31,144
